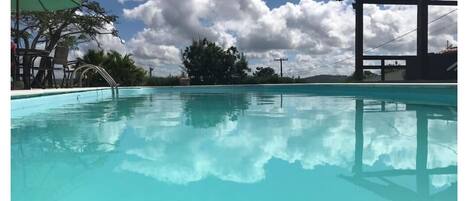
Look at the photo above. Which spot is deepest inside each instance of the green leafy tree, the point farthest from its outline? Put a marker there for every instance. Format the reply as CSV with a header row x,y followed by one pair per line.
x,y
121,67
207,63
66,27
264,72
222,107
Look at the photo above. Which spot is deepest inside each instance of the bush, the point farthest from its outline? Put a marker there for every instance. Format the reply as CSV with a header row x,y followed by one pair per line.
x,y
269,80
122,68
162,81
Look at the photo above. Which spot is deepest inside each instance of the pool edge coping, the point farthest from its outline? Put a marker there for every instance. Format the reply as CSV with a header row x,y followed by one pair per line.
x,y
20,94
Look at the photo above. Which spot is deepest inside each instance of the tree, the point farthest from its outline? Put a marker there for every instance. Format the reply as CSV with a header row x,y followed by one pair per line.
x,y
264,72
121,67
207,63
66,27
69,27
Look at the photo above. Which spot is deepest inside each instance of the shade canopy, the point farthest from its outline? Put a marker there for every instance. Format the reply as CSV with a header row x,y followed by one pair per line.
x,y
44,5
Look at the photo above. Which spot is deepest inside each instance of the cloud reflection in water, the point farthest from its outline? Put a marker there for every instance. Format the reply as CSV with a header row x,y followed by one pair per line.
x,y
236,140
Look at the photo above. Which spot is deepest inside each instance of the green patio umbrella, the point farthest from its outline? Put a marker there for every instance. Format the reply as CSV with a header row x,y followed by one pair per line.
x,y
43,5
40,6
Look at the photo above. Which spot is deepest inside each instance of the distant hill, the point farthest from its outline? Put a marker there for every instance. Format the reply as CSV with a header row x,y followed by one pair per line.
x,y
325,79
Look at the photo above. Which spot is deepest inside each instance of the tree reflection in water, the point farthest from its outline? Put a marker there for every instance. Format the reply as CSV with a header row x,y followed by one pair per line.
x,y
208,110
79,137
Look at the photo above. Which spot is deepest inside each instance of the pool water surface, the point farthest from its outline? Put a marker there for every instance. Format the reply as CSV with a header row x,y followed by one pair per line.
x,y
226,144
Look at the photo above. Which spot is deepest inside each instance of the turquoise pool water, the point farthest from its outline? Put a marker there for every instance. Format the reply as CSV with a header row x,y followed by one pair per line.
x,y
295,143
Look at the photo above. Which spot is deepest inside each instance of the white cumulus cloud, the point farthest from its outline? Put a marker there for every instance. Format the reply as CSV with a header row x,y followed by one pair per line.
x,y
313,34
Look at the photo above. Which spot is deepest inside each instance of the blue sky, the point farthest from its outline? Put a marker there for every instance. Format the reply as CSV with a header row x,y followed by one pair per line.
x,y
126,27
313,34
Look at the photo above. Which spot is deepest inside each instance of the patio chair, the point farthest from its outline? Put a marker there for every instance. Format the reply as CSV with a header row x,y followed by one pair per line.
x,y
61,58
24,66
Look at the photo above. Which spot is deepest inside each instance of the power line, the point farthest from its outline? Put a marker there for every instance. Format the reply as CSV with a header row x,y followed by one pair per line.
x,y
399,37
443,28
442,16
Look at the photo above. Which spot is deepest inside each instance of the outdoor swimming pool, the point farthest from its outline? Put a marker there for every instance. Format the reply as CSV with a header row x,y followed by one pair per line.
x,y
298,142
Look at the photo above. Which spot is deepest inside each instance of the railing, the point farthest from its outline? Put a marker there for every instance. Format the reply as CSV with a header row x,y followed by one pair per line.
x,y
87,67
382,66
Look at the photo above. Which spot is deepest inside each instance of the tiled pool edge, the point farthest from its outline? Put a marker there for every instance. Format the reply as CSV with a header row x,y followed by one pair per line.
x,y
19,94
384,85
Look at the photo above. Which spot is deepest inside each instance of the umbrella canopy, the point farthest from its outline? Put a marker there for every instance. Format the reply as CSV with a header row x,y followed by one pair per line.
x,y
18,6
44,5
40,6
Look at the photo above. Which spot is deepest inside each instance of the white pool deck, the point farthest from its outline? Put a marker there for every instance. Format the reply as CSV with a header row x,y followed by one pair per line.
x,y
39,92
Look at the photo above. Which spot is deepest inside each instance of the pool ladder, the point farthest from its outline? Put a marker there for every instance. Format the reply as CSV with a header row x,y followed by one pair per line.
x,y
100,70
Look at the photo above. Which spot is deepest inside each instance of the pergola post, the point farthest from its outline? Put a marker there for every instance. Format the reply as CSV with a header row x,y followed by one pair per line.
x,y
358,39
422,37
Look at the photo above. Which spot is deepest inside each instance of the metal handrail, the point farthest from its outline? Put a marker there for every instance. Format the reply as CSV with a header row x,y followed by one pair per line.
x,y
101,71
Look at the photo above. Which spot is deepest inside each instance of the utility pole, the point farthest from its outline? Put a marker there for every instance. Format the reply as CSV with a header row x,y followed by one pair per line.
x,y
151,70
281,60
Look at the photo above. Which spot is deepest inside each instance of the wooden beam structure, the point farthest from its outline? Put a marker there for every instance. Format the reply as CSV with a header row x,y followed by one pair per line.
x,y
422,32
382,67
387,57
411,2
422,36
358,39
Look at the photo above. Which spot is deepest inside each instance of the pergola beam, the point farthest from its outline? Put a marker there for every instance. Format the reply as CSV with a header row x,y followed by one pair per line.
x,y
411,2
388,57
384,67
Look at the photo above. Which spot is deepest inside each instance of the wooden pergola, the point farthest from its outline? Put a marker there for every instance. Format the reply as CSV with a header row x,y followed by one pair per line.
x,y
422,35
